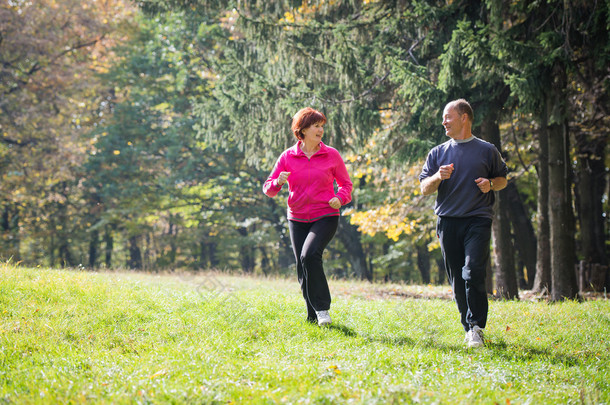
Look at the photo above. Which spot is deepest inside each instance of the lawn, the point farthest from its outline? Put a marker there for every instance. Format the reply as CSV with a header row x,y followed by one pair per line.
x,y
69,336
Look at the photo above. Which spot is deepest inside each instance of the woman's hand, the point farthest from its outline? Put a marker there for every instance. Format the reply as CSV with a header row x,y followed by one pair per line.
x,y
335,203
283,177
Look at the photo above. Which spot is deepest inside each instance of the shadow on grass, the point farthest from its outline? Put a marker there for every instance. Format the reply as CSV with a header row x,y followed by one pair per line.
x,y
493,348
346,330
395,340
521,353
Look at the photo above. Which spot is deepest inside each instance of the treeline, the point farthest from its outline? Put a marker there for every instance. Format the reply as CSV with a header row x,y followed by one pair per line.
x,y
138,134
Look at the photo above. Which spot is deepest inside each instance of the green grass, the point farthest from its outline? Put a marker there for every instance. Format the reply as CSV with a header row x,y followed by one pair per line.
x,y
74,337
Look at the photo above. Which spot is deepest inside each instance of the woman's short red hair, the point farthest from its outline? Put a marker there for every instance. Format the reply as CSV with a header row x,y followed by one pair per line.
x,y
304,119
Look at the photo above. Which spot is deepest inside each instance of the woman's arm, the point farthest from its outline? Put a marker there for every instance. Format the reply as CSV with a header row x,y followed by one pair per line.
x,y
272,186
343,181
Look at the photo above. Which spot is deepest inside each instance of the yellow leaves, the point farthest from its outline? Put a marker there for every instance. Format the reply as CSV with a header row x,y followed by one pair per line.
x,y
116,152
383,219
400,209
161,107
289,17
335,369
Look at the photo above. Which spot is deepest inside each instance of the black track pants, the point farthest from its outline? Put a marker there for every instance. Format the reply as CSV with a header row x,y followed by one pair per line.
x,y
465,247
309,239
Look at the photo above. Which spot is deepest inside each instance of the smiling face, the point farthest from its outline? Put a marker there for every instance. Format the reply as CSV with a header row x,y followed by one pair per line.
x,y
313,134
453,122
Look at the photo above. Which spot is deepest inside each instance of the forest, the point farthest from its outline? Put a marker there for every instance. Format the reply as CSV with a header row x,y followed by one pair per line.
x,y
138,134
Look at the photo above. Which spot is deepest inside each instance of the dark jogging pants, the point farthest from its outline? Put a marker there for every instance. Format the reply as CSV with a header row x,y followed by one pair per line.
x,y
309,239
465,247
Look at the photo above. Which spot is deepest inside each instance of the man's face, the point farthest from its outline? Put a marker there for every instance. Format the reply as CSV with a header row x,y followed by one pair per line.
x,y
452,122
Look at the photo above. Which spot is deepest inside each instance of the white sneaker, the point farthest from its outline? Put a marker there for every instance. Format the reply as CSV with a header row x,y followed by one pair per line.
x,y
323,318
474,337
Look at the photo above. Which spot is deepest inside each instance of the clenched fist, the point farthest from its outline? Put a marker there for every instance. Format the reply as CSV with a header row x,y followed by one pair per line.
x,y
335,203
283,177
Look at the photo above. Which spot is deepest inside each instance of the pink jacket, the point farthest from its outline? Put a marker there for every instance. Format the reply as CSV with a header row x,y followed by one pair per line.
x,y
311,182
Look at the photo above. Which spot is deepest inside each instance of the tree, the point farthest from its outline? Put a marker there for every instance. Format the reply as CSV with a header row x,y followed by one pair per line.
x,y
561,33
48,53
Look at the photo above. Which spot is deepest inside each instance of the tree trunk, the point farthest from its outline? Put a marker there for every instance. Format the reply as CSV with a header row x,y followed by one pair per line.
x,y
108,246
442,273
246,253
590,186
212,254
93,248
172,234
135,256
265,261
423,262
204,262
503,252
65,256
489,279
350,238
542,281
561,218
525,240
9,223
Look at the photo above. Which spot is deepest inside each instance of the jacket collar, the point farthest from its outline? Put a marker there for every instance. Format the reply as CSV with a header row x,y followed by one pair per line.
x,y
296,149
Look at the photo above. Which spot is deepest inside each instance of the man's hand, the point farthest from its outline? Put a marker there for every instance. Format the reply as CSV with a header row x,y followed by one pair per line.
x,y
445,172
483,184
430,184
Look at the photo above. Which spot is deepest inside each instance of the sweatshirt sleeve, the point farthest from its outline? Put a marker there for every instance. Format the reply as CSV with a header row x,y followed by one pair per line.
x,y
430,167
499,168
343,181
271,188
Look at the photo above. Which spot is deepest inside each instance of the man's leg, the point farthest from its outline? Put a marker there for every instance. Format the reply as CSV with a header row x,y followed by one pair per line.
x,y
449,234
477,248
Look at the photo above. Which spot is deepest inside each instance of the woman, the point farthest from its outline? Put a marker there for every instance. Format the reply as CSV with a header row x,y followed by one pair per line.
x,y
310,169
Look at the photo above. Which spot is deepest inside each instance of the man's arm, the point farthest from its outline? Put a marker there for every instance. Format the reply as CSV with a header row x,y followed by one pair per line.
x,y
499,183
484,184
429,185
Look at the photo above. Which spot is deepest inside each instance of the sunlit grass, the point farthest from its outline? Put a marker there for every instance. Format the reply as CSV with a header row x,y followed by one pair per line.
x,y
73,336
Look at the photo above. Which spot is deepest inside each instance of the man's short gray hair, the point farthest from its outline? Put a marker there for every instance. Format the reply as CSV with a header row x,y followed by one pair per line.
x,y
462,107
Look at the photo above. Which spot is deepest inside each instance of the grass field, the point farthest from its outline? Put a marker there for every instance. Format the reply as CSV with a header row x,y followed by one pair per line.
x,y
82,337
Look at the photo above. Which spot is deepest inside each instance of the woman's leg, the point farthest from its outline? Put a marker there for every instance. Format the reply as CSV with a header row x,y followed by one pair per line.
x,y
316,287
298,234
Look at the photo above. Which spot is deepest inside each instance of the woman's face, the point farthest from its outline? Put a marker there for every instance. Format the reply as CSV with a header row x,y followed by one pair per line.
x,y
313,134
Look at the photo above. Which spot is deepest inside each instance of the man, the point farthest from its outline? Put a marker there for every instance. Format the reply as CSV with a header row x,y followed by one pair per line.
x,y
465,171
